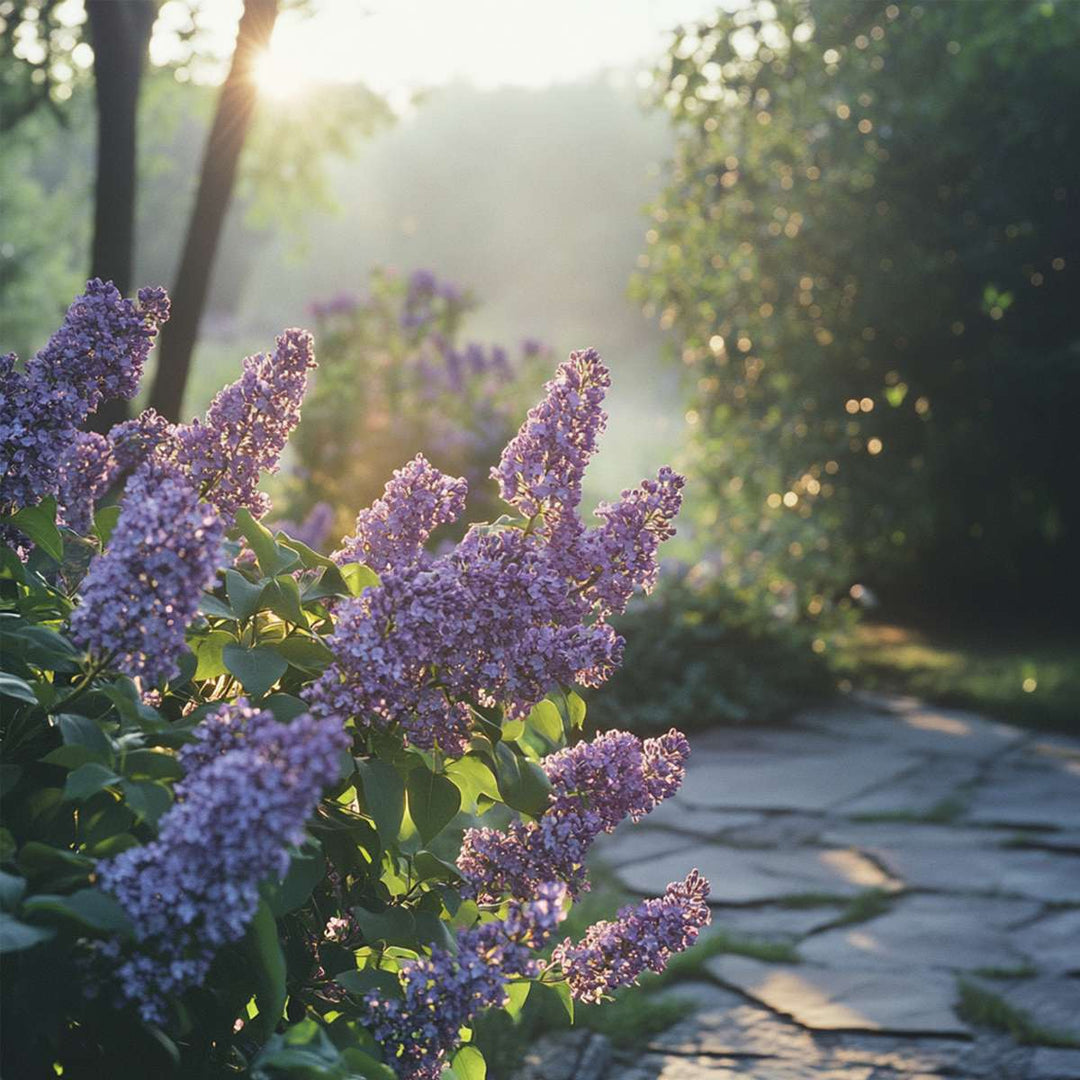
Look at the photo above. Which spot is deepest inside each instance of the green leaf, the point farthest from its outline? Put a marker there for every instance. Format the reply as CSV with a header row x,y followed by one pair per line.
x,y
283,599
78,730
272,557
267,965
429,867
360,982
211,605
88,780
306,869
572,708
518,993
104,522
71,757
9,777
365,1066
209,650
359,577
152,764
257,669
384,796
473,779
562,992
285,707
12,889
51,867
147,798
16,935
243,595
544,718
468,1063
13,687
307,653
88,907
39,523
394,925
433,802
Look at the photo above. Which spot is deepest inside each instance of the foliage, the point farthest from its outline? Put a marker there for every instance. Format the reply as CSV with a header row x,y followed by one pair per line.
x,y
980,1006
217,873
865,257
1036,686
698,653
395,377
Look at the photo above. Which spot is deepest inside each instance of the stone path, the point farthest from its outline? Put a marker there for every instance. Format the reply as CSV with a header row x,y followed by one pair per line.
x,y
897,849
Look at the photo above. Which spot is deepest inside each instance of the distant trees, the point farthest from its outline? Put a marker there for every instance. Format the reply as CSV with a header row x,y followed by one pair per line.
x,y
868,255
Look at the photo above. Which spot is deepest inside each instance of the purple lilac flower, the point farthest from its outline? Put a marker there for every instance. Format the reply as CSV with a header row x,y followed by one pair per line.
x,y
623,551
595,786
98,353
245,799
443,993
645,936
393,530
94,463
247,425
139,596
541,469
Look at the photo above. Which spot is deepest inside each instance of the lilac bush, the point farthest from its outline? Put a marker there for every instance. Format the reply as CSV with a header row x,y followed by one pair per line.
x,y
256,777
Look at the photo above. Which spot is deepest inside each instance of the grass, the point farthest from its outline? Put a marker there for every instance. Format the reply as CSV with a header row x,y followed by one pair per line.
x,y
941,813
862,907
1021,971
984,1008
1035,685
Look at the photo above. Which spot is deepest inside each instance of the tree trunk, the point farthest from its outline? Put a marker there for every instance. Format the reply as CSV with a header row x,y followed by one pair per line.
x,y
120,34
220,157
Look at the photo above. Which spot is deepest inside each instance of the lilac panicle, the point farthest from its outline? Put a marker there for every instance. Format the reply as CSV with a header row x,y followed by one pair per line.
x,y
97,354
541,469
393,530
442,993
247,425
251,785
623,551
645,936
139,596
594,786
93,463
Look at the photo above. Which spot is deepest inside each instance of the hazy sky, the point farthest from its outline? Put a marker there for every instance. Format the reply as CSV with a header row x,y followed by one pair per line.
x,y
399,46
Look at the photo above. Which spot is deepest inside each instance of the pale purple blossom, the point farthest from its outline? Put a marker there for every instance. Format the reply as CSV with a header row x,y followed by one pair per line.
x,y
245,799
642,937
444,992
247,425
97,354
392,531
139,596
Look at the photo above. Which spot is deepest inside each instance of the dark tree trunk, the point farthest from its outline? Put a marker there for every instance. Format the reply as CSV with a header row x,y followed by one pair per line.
x,y
220,157
120,34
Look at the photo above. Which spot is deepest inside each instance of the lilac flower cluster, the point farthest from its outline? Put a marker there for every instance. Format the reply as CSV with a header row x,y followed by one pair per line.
x,y
392,531
97,354
248,791
541,469
613,954
595,786
510,612
94,463
443,993
139,596
424,289
247,425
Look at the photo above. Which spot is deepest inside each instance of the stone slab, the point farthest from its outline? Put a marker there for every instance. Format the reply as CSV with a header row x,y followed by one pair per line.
x,y
1052,942
772,922
919,1002
763,781
676,814
927,931
920,791
903,834
1053,1063
635,844
1053,1002
1044,792
1040,875
746,877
